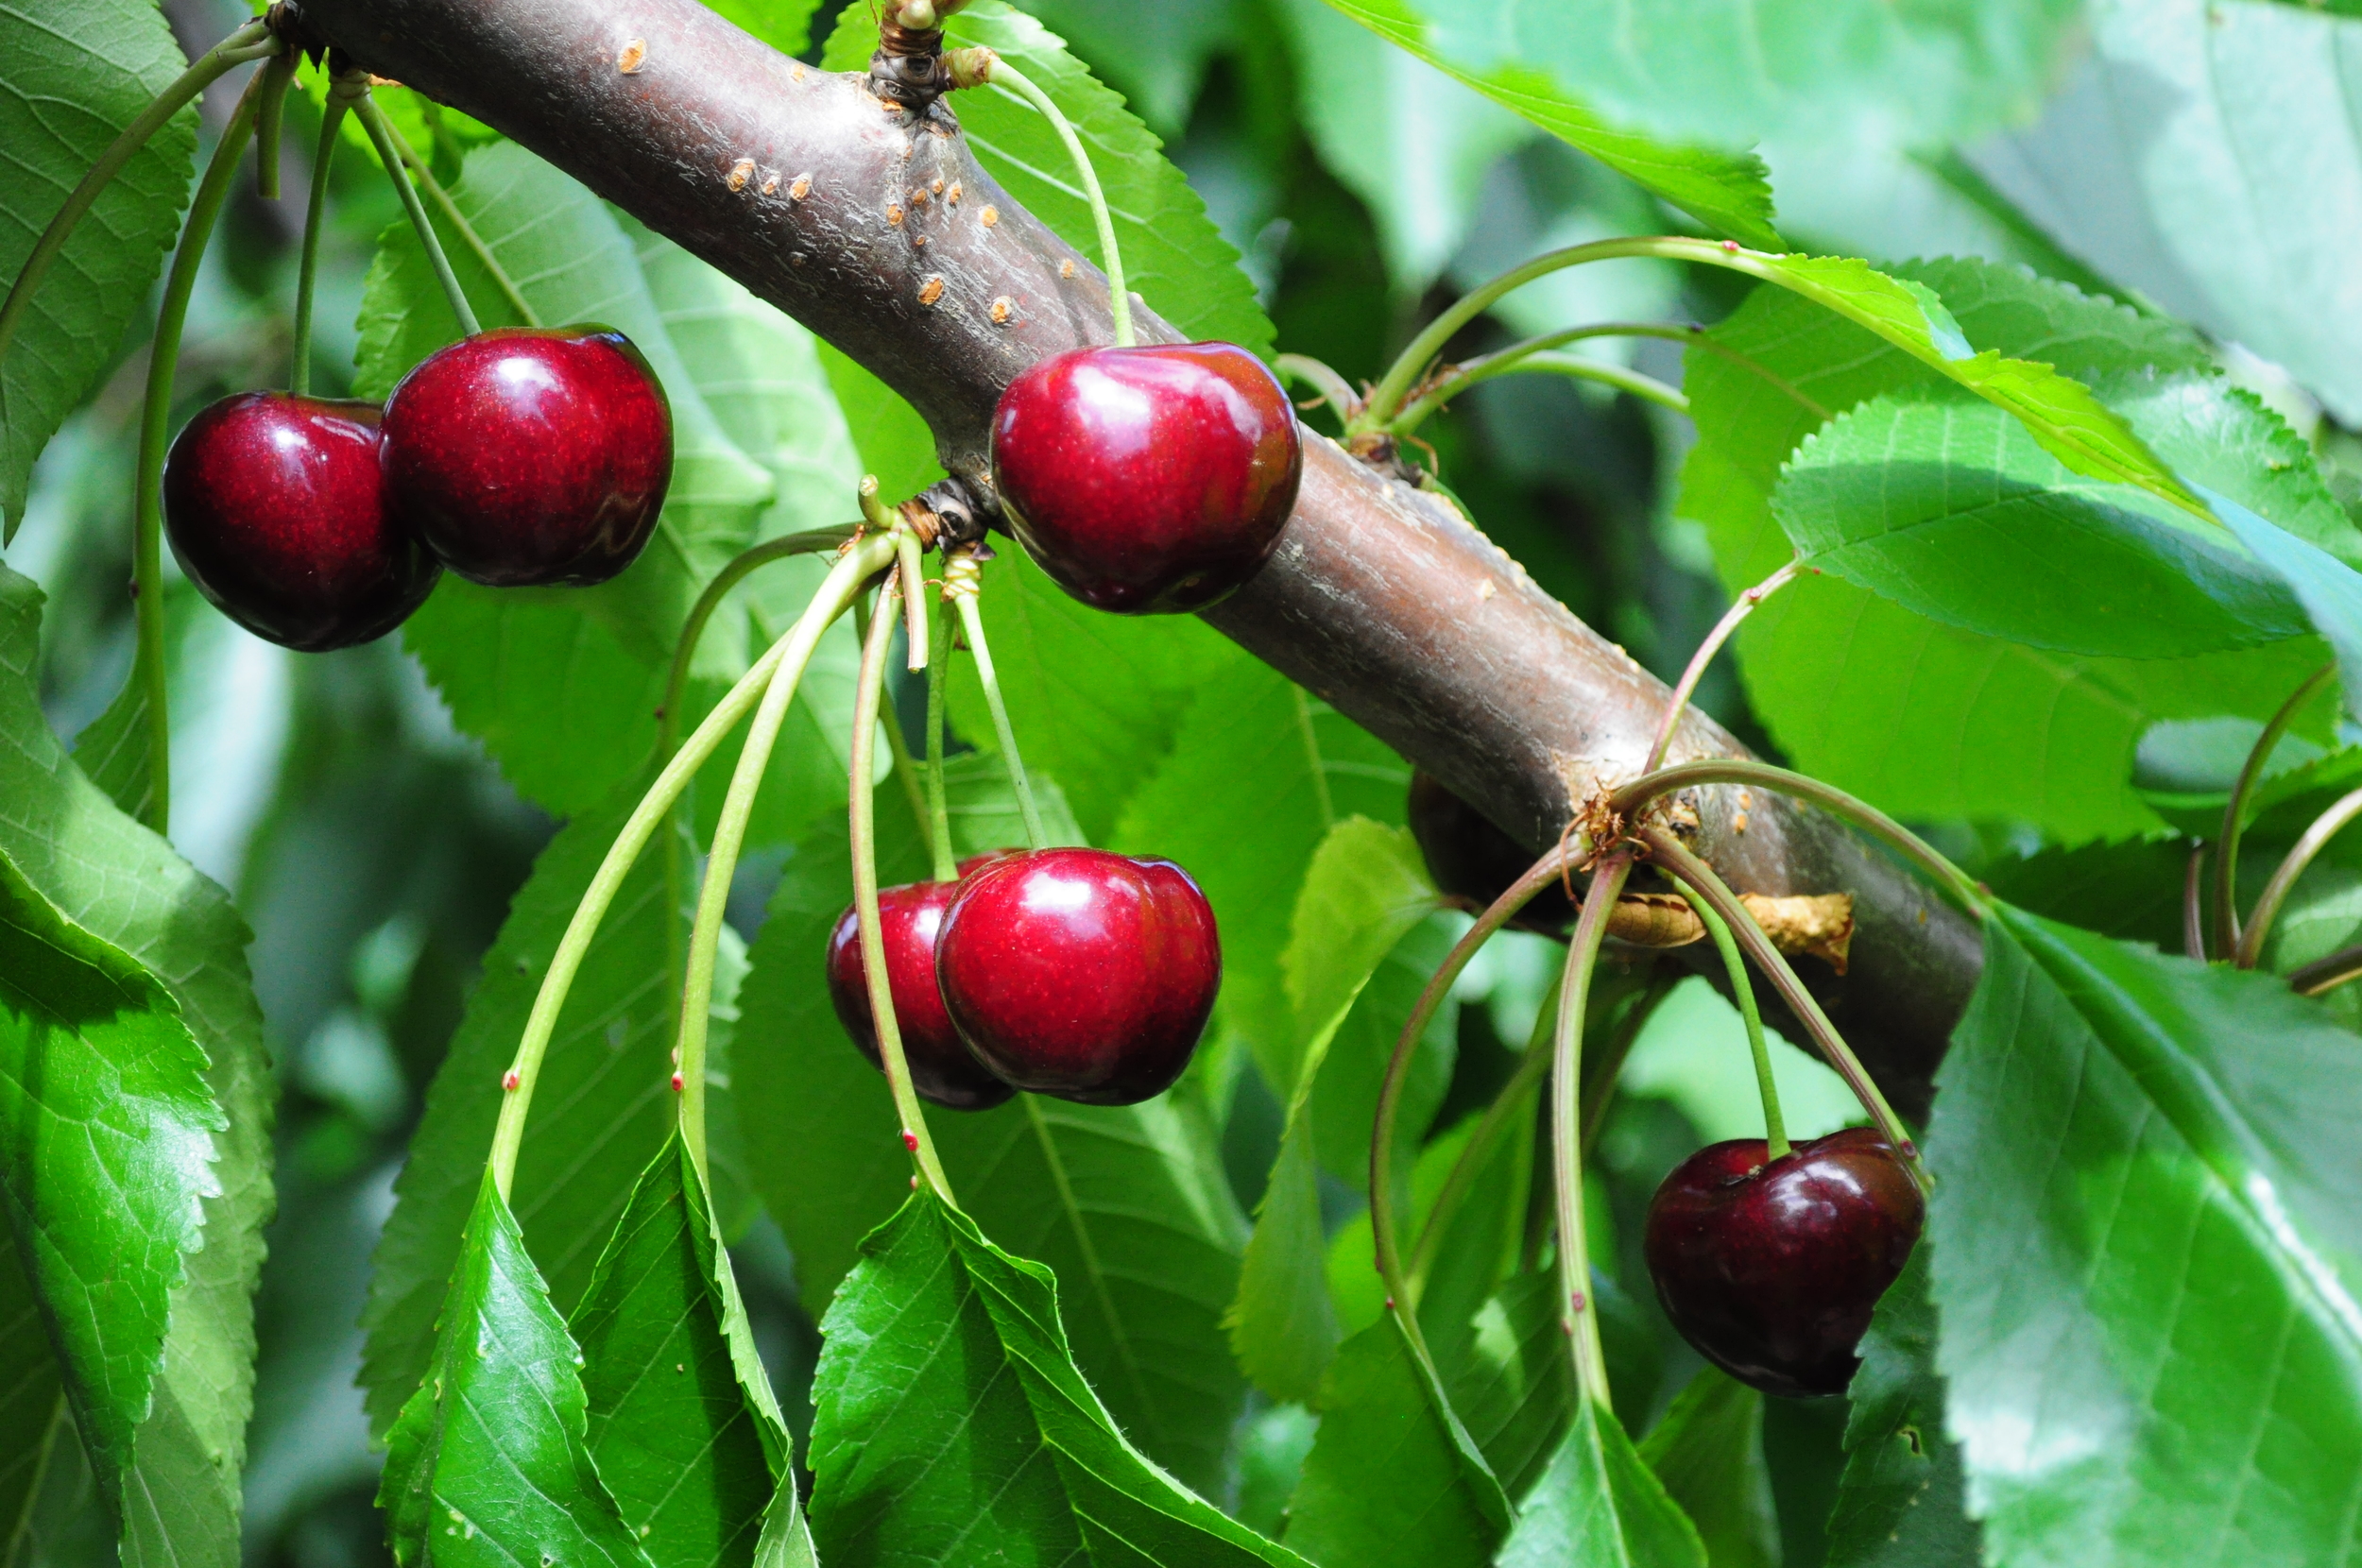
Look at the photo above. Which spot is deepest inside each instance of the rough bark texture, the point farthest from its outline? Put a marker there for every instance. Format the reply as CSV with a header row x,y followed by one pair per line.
x,y
825,200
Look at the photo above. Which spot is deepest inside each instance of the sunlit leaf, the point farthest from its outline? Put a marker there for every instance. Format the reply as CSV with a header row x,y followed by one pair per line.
x,y
1899,1504
1600,1503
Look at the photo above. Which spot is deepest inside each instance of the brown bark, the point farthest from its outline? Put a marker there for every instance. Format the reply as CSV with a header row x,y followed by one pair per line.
x,y
805,187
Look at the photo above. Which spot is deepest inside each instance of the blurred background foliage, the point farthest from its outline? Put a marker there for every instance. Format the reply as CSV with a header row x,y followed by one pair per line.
x,y
374,848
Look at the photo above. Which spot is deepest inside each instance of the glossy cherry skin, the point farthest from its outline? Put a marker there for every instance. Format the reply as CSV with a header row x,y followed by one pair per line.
x,y
910,918
1471,858
528,458
1079,973
1147,479
276,508
1771,1270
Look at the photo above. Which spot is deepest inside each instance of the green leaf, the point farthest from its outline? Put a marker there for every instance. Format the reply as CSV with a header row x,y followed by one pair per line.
x,y
1366,888
1600,1503
1154,52
1708,1451
71,79
112,750
489,1464
952,1425
682,1425
896,446
2145,1257
1899,1503
32,1394
109,1137
125,885
1127,1204
1173,257
785,24
1512,1385
1393,1476
1925,719
2330,590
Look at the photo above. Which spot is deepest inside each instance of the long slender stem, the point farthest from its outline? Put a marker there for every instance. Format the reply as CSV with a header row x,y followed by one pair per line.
x,y
2325,975
2194,906
685,649
1743,607
1111,261
960,585
1580,1319
2283,878
863,561
864,812
382,137
1457,379
251,41
1731,770
2235,809
1334,389
1744,991
315,213
907,555
1672,855
938,802
269,118
148,516
898,746
424,177
1576,368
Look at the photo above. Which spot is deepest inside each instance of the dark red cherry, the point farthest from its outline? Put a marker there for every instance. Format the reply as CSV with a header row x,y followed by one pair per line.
x,y
1471,858
276,508
1147,479
526,458
1771,1270
1080,974
909,918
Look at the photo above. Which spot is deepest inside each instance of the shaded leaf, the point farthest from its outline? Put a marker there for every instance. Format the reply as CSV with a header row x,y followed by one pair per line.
x,y
2330,590
1899,1503
1708,1449
1599,1502
113,749
1512,1385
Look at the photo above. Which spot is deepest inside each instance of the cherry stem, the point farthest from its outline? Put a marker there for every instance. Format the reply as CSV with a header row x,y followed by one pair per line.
x,y
1334,389
938,804
356,88
1452,380
1111,261
147,523
2227,936
1627,802
865,560
2283,878
424,176
1743,992
253,40
962,583
863,813
2325,975
1743,607
2194,906
1672,856
270,118
1580,1319
315,213
685,648
898,746
907,553
1387,1245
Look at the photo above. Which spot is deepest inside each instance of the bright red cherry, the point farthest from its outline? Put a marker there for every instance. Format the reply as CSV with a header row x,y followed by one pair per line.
x,y
527,458
1471,858
1771,1270
1080,974
909,918
275,505
1147,479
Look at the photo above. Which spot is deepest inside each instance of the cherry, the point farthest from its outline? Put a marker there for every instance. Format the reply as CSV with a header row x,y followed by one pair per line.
x,y
910,918
1150,479
1471,858
275,505
1771,1270
529,458
1080,973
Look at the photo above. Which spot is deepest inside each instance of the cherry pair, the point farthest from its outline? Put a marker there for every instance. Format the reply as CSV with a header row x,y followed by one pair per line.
x,y
517,458
1068,972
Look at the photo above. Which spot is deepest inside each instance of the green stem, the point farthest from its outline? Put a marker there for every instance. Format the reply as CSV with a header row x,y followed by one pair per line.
x,y
1575,366
315,213
908,556
1111,261
1627,802
279,75
685,649
425,174
960,585
2283,878
251,41
1333,388
2325,975
147,518
2194,907
1743,992
1580,1321
938,802
863,561
1454,379
2235,809
1688,686
863,813
389,153
1674,857
898,746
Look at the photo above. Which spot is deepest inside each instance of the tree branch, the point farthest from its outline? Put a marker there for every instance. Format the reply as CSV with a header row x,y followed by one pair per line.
x,y
1380,599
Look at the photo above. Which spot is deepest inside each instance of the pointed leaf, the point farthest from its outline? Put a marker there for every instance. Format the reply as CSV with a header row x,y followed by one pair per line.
x,y
1512,1385
1708,1449
113,750
1899,1504
1600,1503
